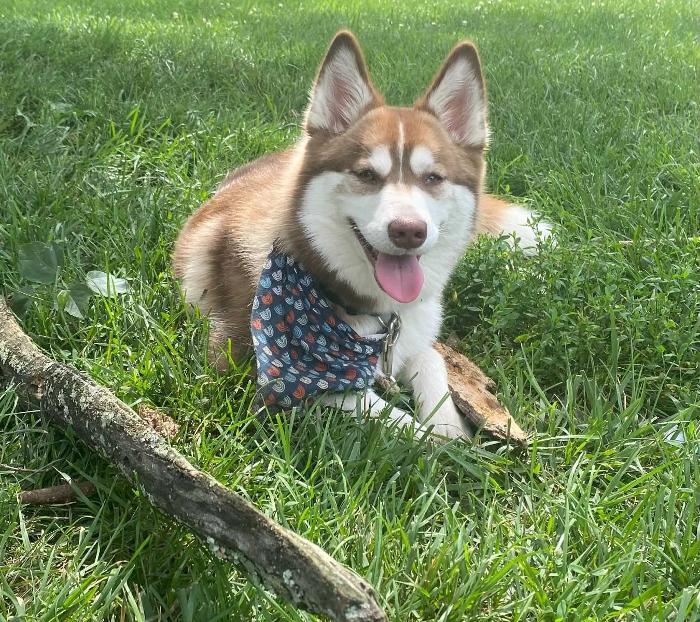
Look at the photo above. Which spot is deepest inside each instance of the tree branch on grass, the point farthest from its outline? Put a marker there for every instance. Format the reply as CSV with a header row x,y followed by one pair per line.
x,y
472,394
275,558
278,559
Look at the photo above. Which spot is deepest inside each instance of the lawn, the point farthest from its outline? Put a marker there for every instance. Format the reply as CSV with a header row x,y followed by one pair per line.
x,y
117,119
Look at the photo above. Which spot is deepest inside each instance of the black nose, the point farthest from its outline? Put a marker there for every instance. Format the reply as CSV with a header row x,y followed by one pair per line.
x,y
408,232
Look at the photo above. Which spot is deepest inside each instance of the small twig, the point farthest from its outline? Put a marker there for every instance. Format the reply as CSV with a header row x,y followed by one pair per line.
x,y
54,495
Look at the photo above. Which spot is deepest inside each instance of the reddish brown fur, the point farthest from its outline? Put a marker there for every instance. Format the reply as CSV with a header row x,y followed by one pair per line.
x,y
222,247
324,152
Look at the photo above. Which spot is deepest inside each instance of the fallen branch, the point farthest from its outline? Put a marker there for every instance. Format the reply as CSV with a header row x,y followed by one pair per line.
x,y
471,393
53,495
278,559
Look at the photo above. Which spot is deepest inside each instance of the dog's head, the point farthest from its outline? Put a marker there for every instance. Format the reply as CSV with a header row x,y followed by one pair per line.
x,y
388,195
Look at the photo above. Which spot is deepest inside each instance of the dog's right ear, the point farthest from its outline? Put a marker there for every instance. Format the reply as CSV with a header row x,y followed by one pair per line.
x,y
342,91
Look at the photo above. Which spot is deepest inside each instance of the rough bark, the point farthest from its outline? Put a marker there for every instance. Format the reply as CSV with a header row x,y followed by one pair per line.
x,y
276,558
471,393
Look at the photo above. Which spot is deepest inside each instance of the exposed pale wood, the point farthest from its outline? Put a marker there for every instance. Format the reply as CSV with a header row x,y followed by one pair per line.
x,y
158,420
53,495
472,393
276,558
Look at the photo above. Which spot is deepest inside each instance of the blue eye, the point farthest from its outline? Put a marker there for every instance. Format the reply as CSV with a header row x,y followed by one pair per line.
x,y
433,178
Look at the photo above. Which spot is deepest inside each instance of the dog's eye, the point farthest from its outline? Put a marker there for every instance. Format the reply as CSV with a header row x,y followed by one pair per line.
x,y
366,175
433,178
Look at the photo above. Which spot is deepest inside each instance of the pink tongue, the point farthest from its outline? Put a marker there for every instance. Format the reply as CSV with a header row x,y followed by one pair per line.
x,y
400,276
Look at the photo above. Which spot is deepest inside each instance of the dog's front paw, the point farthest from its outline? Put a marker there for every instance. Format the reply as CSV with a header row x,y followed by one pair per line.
x,y
449,431
447,423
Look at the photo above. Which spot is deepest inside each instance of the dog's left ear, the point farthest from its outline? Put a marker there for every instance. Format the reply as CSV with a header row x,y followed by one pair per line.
x,y
457,97
342,91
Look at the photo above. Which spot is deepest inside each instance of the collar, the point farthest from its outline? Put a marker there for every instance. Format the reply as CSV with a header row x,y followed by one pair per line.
x,y
390,322
301,345
383,318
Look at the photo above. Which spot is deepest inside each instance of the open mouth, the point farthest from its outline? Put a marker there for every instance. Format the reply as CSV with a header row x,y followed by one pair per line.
x,y
371,252
399,276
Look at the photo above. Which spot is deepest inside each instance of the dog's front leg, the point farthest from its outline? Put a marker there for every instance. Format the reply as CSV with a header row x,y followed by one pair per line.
x,y
426,374
371,403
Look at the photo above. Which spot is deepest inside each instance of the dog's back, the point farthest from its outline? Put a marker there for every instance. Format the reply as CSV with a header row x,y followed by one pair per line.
x,y
220,250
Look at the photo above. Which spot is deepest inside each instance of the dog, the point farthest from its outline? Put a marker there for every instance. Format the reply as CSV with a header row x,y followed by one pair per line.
x,y
372,208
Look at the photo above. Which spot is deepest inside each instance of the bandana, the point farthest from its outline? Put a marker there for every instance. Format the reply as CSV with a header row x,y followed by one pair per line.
x,y
301,346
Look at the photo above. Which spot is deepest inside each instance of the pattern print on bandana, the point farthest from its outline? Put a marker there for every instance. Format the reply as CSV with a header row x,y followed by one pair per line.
x,y
301,346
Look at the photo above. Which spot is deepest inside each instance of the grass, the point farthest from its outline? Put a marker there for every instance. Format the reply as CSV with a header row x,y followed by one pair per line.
x,y
117,120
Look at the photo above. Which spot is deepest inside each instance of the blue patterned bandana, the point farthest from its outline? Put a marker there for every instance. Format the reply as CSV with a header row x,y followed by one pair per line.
x,y
301,346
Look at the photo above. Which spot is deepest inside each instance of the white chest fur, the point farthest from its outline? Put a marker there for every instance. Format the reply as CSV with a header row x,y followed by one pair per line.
x,y
420,325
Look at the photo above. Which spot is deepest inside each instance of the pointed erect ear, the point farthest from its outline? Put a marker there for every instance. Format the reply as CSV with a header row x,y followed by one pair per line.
x,y
457,97
342,91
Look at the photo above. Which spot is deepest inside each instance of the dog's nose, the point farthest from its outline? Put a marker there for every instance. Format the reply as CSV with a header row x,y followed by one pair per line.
x,y
408,232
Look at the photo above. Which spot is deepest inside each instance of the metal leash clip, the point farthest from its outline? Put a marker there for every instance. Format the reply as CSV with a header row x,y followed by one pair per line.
x,y
393,328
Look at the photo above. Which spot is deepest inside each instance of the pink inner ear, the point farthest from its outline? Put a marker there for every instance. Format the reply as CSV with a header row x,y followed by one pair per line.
x,y
458,100
340,101
343,90
456,113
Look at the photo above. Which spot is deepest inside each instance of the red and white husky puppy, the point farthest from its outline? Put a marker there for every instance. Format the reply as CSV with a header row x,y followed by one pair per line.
x,y
377,202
